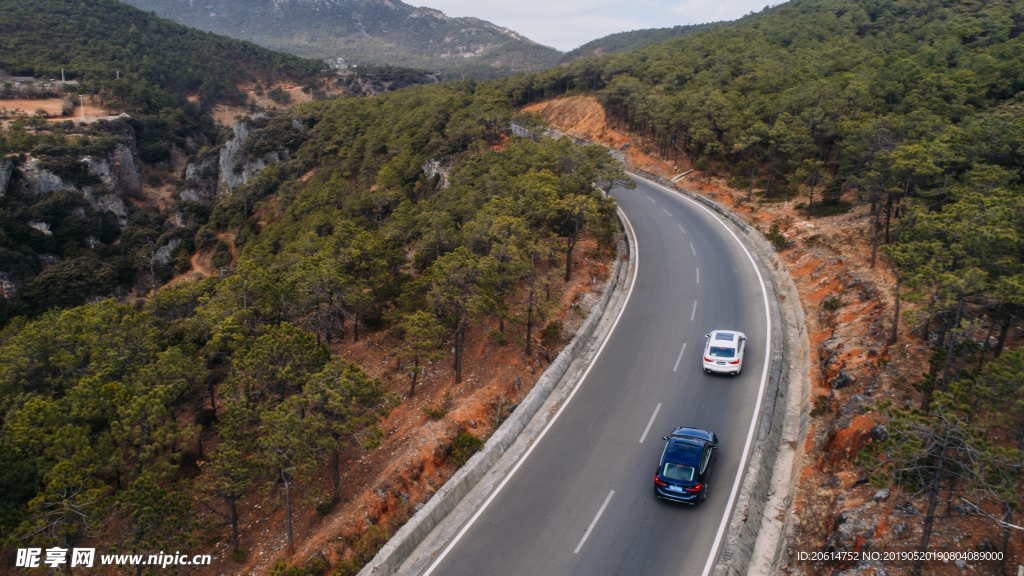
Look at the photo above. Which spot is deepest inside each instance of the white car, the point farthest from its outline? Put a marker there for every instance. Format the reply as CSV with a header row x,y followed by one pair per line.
x,y
723,352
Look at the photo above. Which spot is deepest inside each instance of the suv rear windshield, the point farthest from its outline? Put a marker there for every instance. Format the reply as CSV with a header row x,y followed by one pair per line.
x,y
677,472
721,352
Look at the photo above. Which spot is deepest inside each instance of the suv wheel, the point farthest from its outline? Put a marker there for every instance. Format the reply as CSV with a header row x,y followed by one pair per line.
x,y
704,492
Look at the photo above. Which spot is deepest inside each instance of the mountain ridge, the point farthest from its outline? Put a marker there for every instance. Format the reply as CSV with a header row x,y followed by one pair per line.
x,y
620,42
373,32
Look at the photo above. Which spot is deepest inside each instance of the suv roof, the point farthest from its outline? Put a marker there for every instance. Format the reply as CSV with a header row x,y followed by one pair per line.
x,y
685,451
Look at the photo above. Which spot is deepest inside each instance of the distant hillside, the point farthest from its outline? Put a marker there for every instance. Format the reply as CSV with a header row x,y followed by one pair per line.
x,y
85,206
632,40
376,32
95,41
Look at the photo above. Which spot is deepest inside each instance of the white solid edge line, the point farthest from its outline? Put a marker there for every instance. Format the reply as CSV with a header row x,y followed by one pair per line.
x,y
694,313
655,415
677,361
636,268
594,522
760,394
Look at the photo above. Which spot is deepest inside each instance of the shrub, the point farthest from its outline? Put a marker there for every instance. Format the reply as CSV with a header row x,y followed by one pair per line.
x,y
776,237
283,568
205,238
830,208
222,255
553,331
280,96
324,508
435,413
832,303
317,565
821,406
463,447
239,555
739,183
346,568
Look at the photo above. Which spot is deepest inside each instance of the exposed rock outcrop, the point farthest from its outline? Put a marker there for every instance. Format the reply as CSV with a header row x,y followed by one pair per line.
x,y
163,255
232,168
439,168
201,180
43,227
235,170
119,172
6,168
8,287
108,202
39,180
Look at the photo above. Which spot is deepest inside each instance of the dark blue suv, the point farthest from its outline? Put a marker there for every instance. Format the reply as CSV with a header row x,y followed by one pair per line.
x,y
685,465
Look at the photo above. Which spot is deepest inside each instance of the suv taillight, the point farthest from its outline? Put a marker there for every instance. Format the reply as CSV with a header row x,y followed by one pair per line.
x,y
659,482
694,488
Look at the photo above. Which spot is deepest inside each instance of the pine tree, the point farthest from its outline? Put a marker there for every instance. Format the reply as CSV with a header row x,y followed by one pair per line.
x,y
422,334
347,401
291,441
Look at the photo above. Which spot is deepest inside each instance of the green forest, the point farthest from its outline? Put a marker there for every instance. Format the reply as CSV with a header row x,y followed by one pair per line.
x,y
632,40
95,42
911,108
109,408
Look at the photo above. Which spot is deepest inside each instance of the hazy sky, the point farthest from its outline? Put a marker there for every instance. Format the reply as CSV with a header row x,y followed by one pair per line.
x,y
566,24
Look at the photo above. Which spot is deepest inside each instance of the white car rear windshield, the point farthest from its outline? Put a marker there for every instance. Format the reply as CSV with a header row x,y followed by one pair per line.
x,y
720,352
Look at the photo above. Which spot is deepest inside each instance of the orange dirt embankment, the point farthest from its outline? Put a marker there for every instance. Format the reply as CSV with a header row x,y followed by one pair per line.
x,y
582,117
848,306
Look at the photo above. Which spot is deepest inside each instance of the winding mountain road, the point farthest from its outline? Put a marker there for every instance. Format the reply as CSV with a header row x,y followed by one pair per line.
x,y
581,501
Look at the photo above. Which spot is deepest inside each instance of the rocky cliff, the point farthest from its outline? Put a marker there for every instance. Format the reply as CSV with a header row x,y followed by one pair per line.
x,y
231,168
118,173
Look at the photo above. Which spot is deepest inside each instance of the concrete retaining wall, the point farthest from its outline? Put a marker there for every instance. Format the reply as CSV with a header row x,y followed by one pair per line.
x,y
390,558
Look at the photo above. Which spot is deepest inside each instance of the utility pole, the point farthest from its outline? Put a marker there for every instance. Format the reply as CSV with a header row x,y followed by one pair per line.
x,y
81,98
118,74
61,74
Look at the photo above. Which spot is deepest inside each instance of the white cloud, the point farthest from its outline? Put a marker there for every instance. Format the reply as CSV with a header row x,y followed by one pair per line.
x,y
566,24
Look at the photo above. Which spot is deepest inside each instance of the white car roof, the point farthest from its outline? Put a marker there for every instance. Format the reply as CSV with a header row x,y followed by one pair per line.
x,y
731,338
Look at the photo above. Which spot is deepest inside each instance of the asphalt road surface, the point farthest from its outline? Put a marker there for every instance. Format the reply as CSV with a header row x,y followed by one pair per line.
x,y
582,503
